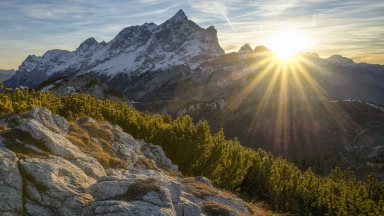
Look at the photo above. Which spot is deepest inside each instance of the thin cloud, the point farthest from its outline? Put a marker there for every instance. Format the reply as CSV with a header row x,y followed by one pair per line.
x,y
349,28
223,12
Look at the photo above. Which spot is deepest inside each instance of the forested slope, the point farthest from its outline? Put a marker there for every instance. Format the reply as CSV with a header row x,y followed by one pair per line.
x,y
228,164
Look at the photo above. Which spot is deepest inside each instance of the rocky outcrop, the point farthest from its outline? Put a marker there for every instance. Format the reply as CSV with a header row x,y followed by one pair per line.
x,y
91,85
44,173
56,143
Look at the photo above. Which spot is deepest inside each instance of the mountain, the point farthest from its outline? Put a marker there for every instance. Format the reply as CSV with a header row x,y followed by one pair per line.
x,y
6,74
91,85
138,60
342,78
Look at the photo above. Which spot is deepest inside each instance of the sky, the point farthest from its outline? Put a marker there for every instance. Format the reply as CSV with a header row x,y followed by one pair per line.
x,y
354,29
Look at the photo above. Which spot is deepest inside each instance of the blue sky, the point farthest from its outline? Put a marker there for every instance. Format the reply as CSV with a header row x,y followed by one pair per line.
x,y
354,29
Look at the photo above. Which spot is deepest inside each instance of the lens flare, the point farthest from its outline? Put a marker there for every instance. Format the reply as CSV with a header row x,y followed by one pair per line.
x,y
287,43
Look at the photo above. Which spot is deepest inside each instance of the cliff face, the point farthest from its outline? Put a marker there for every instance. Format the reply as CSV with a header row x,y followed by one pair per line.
x,y
48,169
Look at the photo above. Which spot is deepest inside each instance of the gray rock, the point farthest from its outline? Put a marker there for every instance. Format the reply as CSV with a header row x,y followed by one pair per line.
x,y
108,189
173,185
90,166
43,116
123,208
56,143
204,180
32,191
10,187
126,152
161,198
6,153
61,122
86,120
129,141
188,196
186,208
157,154
118,128
60,183
96,141
15,121
37,210
106,125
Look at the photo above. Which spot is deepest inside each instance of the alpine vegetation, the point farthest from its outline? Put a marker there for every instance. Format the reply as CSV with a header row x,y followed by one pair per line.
x,y
67,157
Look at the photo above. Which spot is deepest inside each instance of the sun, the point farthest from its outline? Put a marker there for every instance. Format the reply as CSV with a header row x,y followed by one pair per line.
x,y
287,43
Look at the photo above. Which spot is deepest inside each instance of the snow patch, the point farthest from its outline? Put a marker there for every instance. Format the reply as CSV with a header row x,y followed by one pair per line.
x,y
47,87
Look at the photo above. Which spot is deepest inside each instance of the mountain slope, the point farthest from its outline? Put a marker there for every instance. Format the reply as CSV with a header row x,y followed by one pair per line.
x,y
66,86
6,74
138,60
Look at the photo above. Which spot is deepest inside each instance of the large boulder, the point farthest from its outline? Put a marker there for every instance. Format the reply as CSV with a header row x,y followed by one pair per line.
x,y
56,143
57,184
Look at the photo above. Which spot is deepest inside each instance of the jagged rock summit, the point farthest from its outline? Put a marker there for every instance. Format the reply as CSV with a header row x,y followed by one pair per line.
x,y
138,60
46,170
86,84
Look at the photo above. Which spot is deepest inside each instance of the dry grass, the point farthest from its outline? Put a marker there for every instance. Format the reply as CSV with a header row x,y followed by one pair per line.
x,y
104,125
80,137
139,189
3,127
79,132
172,173
263,209
198,188
51,128
106,146
147,164
216,209
96,131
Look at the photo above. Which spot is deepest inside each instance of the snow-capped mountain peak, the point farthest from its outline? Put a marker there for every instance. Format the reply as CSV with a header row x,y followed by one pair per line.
x,y
141,50
179,17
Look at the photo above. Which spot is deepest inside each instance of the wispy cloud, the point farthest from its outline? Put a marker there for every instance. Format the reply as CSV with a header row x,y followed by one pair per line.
x,y
223,12
352,28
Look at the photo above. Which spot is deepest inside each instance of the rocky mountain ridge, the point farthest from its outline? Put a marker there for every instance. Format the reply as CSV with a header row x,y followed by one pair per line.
x,y
142,61
43,172
139,58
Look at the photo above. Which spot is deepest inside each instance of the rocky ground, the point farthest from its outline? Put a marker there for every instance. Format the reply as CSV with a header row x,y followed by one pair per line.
x,y
45,171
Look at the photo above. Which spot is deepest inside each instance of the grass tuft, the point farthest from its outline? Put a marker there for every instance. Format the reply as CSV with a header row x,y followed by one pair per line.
x,y
198,188
139,189
216,209
147,164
